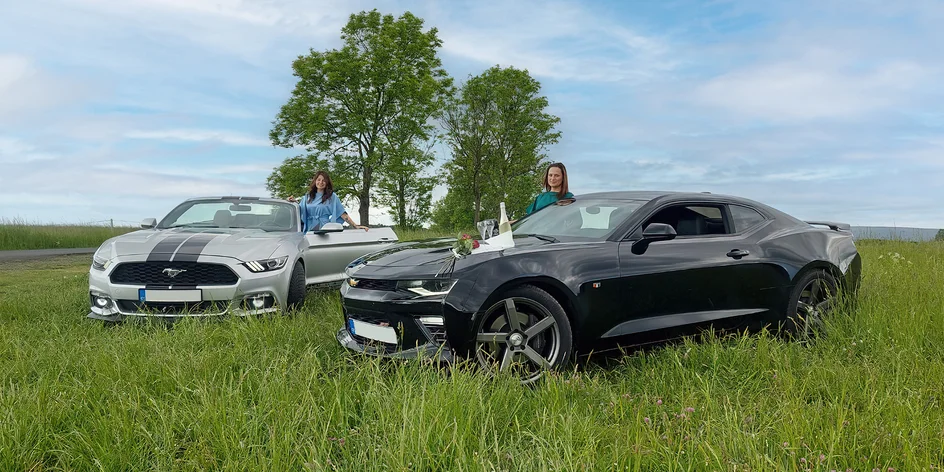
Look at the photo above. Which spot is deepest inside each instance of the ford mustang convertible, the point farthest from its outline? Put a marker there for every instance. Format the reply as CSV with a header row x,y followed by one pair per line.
x,y
607,270
222,255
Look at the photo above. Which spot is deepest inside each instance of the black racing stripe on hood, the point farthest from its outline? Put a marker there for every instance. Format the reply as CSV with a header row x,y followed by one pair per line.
x,y
190,250
166,247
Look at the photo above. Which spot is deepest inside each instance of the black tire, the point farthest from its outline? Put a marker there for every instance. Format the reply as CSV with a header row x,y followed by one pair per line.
x,y
296,288
526,330
812,299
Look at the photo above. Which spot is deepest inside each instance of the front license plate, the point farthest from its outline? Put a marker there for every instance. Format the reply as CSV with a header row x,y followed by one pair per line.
x,y
150,295
371,331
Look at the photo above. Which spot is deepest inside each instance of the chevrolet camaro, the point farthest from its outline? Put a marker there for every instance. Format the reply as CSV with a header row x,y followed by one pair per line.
x,y
606,270
222,255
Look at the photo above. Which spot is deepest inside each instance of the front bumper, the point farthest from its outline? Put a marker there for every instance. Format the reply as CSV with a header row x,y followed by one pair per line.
x,y
124,300
422,328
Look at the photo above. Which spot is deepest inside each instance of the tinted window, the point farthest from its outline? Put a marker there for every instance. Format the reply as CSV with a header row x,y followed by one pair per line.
x,y
692,220
745,218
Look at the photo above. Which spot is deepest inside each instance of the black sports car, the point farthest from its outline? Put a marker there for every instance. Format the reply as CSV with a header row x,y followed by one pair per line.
x,y
607,270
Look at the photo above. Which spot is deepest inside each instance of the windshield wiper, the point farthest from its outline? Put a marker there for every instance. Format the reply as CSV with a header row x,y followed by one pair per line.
x,y
544,237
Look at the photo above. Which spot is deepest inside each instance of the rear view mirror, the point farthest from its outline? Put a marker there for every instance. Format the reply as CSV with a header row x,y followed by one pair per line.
x,y
238,207
148,223
329,228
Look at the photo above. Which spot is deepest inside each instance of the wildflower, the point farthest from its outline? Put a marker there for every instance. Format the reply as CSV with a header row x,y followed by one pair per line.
x,y
689,409
786,444
822,457
659,401
645,420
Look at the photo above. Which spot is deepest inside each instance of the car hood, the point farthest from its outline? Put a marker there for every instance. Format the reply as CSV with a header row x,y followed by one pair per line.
x,y
242,244
426,258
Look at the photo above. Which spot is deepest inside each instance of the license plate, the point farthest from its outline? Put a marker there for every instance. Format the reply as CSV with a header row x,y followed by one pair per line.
x,y
150,295
371,331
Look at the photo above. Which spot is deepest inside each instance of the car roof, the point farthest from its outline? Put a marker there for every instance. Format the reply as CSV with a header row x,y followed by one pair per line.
x,y
237,197
669,196
646,195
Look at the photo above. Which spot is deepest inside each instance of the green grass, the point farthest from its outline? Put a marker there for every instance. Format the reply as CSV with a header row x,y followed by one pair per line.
x,y
280,394
15,234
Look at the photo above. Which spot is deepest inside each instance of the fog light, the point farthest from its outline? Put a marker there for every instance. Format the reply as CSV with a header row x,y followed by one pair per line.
x,y
102,302
258,302
431,320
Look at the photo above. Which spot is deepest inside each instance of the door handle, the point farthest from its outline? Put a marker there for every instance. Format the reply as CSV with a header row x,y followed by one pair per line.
x,y
737,253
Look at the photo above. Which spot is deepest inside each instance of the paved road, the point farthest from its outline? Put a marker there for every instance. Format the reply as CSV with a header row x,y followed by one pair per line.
x,y
43,253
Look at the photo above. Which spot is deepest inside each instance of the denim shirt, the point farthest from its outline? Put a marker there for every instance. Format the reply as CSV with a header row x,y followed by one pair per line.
x,y
314,214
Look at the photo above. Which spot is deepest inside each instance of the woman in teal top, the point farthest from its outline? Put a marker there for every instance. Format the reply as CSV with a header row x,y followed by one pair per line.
x,y
321,205
555,186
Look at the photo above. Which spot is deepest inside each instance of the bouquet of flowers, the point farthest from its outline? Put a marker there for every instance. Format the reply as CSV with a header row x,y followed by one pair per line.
x,y
464,245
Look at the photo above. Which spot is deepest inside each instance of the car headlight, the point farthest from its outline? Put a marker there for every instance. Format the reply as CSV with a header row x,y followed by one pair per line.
x,y
99,262
265,265
427,288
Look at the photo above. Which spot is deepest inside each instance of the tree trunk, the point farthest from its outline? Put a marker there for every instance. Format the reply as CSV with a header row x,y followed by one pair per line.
x,y
401,202
364,196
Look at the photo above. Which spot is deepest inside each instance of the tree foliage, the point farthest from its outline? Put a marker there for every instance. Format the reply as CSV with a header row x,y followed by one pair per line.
x,y
940,235
497,129
362,105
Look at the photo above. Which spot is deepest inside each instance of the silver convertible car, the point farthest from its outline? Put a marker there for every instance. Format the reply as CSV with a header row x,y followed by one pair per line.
x,y
222,255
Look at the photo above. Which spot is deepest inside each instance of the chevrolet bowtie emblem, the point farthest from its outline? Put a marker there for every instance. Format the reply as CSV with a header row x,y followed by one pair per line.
x,y
173,272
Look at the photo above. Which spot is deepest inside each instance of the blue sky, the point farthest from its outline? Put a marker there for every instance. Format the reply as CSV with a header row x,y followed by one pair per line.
x,y
827,110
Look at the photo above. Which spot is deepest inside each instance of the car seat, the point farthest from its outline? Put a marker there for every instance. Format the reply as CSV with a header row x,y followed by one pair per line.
x,y
222,218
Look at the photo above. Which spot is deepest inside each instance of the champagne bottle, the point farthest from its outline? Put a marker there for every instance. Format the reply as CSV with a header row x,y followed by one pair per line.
x,y
503,225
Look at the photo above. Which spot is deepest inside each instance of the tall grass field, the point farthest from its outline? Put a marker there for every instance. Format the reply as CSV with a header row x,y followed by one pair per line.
x,y
279,393
17,235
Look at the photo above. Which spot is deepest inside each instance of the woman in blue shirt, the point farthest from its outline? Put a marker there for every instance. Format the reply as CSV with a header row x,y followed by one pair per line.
x,y
321,205
555,185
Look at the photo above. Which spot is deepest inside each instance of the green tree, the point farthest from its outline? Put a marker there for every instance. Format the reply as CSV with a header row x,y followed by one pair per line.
x,y
498,131
940,235
294,175
353,104
404,187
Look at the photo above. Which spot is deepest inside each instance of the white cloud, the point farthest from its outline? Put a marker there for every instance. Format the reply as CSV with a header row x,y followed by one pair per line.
x,y
199,135
26,90
813,87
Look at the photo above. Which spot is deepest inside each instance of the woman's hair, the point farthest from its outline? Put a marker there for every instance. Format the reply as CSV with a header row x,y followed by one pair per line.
x,y
329,187
563,189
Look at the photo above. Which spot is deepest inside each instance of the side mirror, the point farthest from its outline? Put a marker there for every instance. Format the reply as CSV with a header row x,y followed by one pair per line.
x,y
654,232
148,223
329,228
658,232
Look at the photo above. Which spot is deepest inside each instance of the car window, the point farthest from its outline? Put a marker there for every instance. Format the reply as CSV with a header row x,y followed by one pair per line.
x,y
745,218
592,218
692,220
268,216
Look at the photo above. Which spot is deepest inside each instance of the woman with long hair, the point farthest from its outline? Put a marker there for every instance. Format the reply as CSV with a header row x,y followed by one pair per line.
x,y
555,188
321,205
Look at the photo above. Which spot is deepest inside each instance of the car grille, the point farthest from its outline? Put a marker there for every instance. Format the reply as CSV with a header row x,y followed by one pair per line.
x,y
375,284
152,273
172,308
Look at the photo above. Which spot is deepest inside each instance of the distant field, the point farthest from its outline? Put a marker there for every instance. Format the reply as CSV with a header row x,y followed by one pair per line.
x,y
280,394
16,235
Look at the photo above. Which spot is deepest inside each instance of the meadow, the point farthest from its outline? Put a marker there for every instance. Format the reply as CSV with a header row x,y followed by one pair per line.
x,y
278,393
19,235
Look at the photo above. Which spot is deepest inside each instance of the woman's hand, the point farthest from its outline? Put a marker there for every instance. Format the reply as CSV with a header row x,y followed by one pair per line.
x,y
291,199
362,227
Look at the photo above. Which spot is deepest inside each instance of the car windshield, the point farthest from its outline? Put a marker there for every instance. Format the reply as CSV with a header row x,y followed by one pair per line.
x,y
267,216
591,218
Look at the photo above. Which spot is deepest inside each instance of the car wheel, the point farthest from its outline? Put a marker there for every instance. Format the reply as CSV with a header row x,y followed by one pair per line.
x,y
296,288
526,332
811,300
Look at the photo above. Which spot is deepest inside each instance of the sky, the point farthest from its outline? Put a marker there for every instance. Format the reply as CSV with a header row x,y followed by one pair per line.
x,y
120,109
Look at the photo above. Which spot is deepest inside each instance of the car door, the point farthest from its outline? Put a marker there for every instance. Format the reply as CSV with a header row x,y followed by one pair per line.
x,y
694,278
329,253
